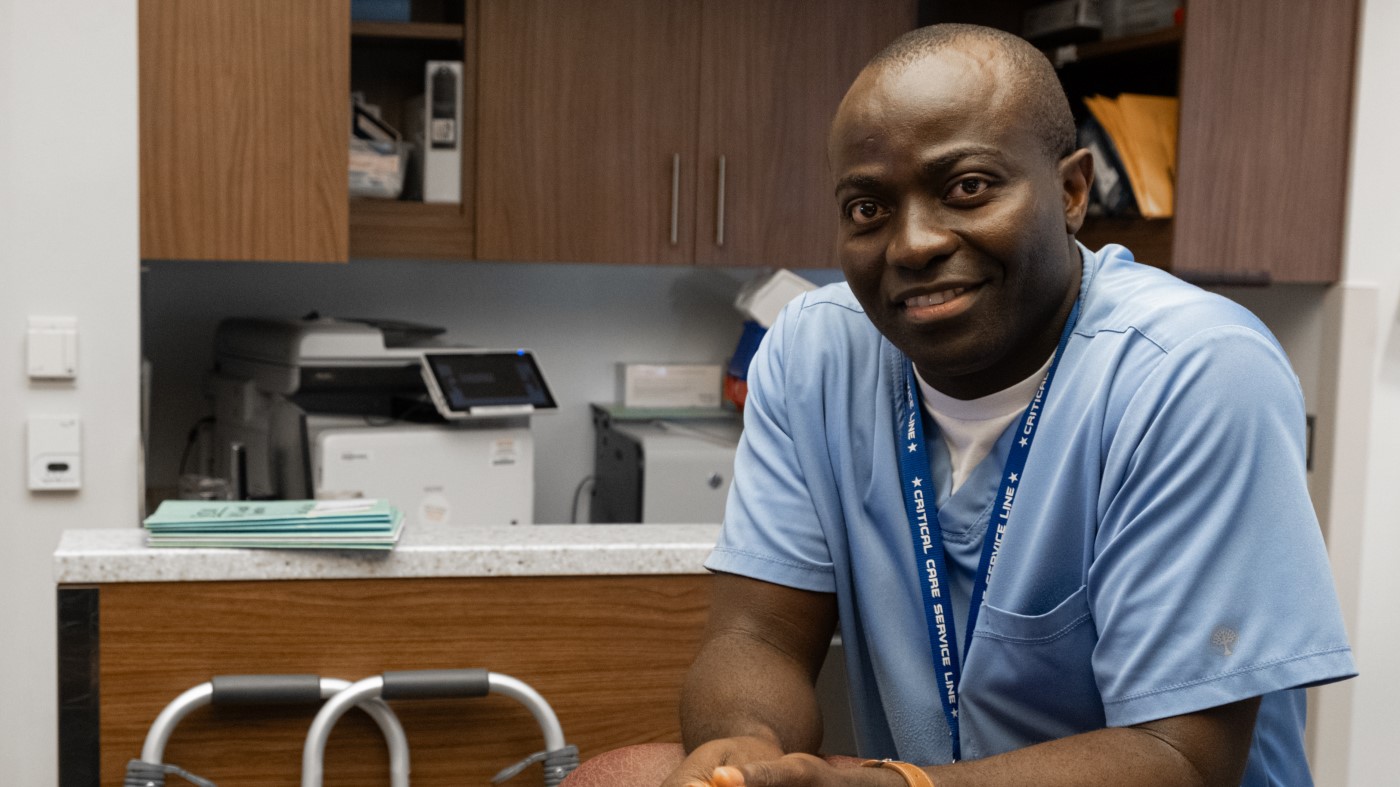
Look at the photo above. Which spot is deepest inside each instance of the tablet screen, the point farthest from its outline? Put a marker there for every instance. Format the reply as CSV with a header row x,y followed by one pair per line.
x,y
469,380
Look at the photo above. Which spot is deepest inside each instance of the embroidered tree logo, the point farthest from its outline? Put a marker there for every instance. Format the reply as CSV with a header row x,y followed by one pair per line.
x,y
1224,639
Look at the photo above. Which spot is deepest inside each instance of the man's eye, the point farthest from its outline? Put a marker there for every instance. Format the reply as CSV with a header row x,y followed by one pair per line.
x,y
864,211
967,187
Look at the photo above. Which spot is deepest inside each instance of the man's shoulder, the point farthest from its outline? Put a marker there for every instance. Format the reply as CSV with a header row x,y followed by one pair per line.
x,y
837,295
830,310
1127,296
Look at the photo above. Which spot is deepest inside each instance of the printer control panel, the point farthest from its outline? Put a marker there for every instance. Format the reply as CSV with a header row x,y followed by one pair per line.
x,y
482,384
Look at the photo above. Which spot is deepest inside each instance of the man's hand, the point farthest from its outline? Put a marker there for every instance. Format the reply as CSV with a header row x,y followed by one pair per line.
x,y
702,762
802,770
749,696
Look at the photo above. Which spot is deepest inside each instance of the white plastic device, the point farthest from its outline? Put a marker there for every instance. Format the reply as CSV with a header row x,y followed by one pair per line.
x,y
55,452
52,345
485,384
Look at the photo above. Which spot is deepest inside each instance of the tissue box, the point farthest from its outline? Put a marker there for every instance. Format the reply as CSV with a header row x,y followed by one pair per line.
x,y
765,296
670,384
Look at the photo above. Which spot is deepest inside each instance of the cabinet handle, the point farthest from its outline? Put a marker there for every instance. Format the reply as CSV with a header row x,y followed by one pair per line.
x,y
719,206
675,197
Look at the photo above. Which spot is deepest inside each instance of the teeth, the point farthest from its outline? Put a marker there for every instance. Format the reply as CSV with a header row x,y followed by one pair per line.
x,y
934,299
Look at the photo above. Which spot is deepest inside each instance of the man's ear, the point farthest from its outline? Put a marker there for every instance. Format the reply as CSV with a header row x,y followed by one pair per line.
x,y
1076,178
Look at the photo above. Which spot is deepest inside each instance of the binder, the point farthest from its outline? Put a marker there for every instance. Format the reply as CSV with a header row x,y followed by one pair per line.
x,y
1112,191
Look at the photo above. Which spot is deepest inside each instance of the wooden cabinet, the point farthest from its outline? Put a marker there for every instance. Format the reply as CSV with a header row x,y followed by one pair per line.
x,y
771,77
1265,125
245,121
693,131
585,130
1265,130
243,118
677,132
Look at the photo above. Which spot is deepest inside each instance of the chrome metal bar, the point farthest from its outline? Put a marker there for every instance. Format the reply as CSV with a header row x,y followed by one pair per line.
x,y
719,206
675,198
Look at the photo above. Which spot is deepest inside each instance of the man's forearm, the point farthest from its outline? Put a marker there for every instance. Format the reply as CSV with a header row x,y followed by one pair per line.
x,y
741,686
1205,748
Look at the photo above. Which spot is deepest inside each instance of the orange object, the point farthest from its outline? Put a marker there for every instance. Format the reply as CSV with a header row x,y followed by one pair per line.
x,y
736,390
913,775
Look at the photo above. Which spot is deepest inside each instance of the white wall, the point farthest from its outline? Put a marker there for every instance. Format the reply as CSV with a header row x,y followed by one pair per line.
x,y
1371,583
68,246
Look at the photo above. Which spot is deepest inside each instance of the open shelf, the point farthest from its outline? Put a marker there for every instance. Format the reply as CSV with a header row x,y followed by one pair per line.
x,y
406,228
416,31
1150,240
1167,37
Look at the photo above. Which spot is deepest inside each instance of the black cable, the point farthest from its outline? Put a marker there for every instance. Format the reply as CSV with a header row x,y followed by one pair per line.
x,y
578,490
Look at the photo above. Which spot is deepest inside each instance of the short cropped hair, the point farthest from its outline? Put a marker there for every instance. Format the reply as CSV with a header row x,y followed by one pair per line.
x,y
1036,84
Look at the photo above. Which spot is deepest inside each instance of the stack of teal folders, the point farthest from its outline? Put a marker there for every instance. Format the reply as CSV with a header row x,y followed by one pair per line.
x,y
275,524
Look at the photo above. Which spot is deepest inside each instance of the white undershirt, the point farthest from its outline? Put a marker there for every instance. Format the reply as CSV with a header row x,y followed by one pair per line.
x,y
971,427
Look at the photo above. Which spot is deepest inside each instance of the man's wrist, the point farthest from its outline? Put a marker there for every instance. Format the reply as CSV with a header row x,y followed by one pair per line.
x,y
913,775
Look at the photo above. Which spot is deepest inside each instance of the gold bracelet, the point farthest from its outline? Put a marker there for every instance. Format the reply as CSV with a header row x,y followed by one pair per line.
x,y
913,775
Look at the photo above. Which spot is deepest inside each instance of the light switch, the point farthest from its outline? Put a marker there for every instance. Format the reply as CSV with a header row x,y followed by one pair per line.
x,y
53,348
55,452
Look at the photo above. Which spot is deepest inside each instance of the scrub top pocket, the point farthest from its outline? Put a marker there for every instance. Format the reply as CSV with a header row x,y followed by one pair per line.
x,y
1029,678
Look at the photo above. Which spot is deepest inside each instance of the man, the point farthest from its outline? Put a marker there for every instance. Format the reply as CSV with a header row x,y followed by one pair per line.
x,y
1149,612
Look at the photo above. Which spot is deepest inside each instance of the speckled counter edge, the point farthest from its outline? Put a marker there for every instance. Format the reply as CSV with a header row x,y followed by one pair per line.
x,y
119,555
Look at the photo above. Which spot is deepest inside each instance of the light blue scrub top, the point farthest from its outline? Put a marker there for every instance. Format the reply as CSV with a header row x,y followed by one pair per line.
x,y
1163,556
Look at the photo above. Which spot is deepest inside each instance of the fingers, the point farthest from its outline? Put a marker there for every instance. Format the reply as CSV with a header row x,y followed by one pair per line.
x,y
727,776
793,770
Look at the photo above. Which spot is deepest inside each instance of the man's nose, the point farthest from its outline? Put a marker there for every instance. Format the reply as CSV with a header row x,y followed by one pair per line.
x,y
921,237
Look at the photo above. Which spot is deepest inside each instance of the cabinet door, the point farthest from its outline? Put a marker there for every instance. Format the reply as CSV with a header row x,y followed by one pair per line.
x,y
585,130
244,129
772,75
1265,126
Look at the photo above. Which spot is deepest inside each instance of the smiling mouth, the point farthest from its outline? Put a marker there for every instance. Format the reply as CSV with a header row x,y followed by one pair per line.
x,y
934,298
940,305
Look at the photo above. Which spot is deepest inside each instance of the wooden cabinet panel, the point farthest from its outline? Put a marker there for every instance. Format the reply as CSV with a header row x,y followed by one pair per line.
x,y
771,77
1265,130
608,653
583,110
244,127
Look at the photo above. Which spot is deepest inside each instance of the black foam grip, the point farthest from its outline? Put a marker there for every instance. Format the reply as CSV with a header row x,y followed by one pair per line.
x,y
266,689
436,684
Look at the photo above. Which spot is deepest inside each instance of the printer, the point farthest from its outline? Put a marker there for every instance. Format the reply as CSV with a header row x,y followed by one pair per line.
x,y
659,466
331,408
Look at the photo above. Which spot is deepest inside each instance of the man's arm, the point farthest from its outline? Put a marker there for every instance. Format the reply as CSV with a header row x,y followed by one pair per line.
x,y
1208,747
1201,749
750,693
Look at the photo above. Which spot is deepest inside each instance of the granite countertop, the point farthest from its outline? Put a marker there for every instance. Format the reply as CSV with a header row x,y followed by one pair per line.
x,y
120,555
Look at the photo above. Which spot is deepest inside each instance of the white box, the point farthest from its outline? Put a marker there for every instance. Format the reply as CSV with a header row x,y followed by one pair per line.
x,y
762,298
442,131
671,384
1062,20
53,348
1131,17
55,452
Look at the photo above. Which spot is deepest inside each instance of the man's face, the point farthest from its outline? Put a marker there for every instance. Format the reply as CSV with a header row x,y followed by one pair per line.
x,y
956,221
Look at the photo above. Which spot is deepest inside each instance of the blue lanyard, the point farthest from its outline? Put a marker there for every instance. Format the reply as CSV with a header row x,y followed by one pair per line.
x,y
929,559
